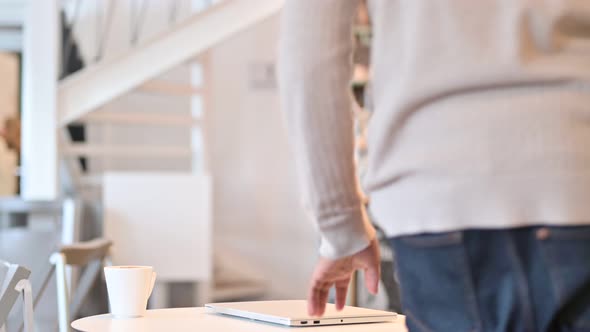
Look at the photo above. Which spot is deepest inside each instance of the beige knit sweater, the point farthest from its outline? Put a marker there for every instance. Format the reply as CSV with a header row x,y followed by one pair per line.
x,y
482,115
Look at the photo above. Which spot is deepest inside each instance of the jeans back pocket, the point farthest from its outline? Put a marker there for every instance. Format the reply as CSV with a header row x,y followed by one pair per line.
x,y
435,282
566,251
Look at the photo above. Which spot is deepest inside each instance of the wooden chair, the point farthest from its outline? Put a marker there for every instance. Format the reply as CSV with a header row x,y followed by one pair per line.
x,y
13,283
93,255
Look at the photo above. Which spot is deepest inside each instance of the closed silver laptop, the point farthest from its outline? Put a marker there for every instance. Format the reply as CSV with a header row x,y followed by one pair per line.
x,y
294,313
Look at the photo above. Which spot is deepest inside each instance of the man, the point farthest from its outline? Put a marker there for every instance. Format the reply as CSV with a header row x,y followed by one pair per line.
x,y
479,156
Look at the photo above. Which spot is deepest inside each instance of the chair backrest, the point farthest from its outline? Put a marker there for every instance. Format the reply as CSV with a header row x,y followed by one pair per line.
x,y
10,275
31,248
91,256
82,253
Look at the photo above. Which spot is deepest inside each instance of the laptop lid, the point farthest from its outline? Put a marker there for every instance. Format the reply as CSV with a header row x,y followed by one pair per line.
x,y
294,313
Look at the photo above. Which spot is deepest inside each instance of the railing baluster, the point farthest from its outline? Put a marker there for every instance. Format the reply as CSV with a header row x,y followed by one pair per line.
x,y
137,20
173,12
102,38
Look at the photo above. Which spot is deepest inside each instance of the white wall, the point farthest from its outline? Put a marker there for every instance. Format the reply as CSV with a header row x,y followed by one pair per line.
x,y
256,204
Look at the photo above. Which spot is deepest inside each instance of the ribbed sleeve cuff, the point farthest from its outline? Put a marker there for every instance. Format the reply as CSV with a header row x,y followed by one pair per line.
x,y
347,234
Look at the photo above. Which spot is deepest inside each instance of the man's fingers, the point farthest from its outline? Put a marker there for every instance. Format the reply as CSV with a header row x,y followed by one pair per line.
x,y
317,298
329,273
321,308
372,276
341,291
312,300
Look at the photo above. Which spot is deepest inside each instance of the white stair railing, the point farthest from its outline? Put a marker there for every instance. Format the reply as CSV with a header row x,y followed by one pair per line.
x,y
94,86
49,104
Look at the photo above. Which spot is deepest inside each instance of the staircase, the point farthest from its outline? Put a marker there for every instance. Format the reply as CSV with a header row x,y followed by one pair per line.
x,y
79,96
84,92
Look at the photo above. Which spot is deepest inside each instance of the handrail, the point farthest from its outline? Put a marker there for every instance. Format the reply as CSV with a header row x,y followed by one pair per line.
x,y
103,13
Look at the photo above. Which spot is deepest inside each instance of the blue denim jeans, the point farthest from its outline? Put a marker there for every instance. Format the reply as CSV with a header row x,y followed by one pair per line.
x,y
523,279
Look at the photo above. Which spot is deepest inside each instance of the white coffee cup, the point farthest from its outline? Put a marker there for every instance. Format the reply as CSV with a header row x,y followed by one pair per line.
x,y
129,289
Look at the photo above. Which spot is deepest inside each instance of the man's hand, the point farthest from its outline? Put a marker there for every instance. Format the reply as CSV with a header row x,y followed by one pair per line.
x,y
338,273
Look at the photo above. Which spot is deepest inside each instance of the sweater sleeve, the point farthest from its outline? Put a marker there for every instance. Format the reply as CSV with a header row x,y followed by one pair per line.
x,y
315,68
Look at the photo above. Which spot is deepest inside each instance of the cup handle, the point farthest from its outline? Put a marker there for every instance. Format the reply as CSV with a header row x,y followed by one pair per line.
x,y
149,293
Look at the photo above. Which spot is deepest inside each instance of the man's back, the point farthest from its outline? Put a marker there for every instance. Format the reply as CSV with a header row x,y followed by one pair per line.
x,y
484,103
481,111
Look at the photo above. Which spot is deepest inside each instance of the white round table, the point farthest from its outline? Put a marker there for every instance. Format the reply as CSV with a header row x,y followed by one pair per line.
x,y
199,320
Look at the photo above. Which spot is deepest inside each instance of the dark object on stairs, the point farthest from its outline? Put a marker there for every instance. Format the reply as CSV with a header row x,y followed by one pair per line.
x,y
72,62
